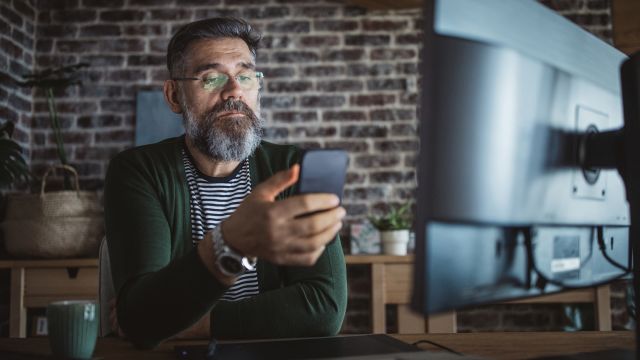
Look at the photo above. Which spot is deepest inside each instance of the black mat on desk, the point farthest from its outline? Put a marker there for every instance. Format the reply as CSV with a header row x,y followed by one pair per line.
x,y
312,348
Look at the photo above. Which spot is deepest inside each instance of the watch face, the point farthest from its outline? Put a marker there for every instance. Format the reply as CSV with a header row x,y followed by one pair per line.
x,y
231,264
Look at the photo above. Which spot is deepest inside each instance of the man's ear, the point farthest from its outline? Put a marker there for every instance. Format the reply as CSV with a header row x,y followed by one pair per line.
x,y
170,91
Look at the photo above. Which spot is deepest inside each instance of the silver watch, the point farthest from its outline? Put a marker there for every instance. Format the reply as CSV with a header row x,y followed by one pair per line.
x,y
229,261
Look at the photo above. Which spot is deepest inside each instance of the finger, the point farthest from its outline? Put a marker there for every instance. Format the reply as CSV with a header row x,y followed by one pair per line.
x,y
316,223
277,183
314,242
299,205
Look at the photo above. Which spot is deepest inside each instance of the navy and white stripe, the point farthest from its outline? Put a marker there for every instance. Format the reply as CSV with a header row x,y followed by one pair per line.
x,y
212,201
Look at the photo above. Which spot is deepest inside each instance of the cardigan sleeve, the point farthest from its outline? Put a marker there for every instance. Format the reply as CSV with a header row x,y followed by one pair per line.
x,y
156,297
312,302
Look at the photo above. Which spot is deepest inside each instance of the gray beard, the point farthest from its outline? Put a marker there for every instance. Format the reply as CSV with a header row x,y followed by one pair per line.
x,y
233,138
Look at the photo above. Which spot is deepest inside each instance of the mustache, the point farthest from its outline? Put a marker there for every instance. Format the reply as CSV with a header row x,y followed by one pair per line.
x,y
231,105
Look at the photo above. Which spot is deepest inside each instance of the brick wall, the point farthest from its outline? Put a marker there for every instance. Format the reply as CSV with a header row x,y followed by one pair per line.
x,y
17,42
336,75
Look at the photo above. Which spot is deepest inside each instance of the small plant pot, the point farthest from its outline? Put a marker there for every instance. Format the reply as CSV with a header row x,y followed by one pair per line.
x,y
394,242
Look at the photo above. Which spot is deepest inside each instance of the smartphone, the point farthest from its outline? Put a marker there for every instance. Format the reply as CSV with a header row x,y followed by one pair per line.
x,y
323,171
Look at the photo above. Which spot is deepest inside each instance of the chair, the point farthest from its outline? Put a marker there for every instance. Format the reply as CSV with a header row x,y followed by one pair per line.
x,y
106,291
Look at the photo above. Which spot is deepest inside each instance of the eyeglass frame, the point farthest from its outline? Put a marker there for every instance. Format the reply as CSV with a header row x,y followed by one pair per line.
x,y
259,75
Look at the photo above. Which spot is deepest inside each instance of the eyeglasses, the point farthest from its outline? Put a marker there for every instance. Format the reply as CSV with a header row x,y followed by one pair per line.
x,y
214,82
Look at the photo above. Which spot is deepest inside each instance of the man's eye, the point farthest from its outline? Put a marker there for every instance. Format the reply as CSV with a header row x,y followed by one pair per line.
x,y
215,81
244,78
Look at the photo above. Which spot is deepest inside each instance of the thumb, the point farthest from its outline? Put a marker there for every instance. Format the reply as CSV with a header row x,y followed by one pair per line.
x,y
277,183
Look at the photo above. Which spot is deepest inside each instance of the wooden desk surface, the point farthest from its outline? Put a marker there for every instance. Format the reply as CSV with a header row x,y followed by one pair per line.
x,y
514,345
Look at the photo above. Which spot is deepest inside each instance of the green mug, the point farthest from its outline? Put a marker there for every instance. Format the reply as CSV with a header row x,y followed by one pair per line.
x,y
73,328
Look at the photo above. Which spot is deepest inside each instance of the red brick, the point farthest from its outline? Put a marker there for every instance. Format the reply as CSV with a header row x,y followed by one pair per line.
x,y
122,45
384,25
340,85
77,46
78,15
392,177
345,115
24,8
370,69
367,40
363,131
396,145
316,11
322,101
289,86
335,25
386,84
372,100
275,42
276,133
294,56
11,16
393,54
289,26
343,55
323,70
103,3
351,146
314,131
144,29
277,72
146,60
294,116
171,14
266,12
100,30
112,136
122,15
318,41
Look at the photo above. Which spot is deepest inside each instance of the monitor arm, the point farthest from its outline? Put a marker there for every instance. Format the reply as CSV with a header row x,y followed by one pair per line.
x,y
620,149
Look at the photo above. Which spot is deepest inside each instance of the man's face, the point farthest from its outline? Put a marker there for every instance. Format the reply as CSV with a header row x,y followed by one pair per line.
x,y
222,122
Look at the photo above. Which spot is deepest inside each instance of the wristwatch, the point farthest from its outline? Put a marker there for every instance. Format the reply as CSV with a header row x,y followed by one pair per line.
x,y
229,261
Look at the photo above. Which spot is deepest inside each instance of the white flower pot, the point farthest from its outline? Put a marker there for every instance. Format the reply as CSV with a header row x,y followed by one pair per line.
x,y
394,242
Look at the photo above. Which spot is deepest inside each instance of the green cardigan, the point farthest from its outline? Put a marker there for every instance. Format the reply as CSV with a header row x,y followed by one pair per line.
x,y
162,285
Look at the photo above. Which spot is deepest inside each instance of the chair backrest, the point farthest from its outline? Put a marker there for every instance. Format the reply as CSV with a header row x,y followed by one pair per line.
x,y
106,291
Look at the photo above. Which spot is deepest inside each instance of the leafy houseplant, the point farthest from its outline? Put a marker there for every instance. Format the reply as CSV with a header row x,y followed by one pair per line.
x,y
48,80
13,167
398,218
394,229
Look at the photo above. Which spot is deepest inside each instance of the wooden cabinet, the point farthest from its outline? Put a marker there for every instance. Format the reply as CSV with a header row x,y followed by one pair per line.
x,y
36,283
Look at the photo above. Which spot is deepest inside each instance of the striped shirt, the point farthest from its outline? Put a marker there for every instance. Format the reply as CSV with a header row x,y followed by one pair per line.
x,y
212,201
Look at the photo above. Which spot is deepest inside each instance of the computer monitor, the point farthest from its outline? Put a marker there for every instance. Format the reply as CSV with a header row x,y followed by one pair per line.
x,y
505,210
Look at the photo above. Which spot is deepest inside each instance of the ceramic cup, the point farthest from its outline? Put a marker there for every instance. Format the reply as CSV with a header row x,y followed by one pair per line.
x,y
73,328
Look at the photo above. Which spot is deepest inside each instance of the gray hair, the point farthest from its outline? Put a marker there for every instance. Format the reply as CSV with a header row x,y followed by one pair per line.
x,y
214,28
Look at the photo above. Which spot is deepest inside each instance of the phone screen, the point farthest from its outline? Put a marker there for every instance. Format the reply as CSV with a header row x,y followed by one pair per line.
x,y
323,171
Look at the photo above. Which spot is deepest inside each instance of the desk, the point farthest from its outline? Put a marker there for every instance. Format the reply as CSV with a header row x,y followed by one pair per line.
x,y
35,283
391,283
491,345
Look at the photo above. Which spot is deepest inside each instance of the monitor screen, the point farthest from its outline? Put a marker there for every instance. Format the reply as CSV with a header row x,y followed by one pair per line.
x,y
504,211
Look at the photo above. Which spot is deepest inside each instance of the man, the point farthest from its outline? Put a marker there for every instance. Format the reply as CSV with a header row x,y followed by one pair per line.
x,y
187,217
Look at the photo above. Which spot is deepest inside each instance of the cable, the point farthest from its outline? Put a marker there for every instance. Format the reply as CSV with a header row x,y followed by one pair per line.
x,y
437,345
603,249
543,280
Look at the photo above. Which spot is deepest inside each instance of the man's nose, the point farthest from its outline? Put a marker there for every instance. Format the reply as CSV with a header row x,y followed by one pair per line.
x,y
232,89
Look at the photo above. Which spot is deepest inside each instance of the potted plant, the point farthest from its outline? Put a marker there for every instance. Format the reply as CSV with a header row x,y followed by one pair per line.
x,y
13,167
48,80
394,229
54,224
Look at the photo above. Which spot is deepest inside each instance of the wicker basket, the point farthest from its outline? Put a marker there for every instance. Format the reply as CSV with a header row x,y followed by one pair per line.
x,y
58,224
